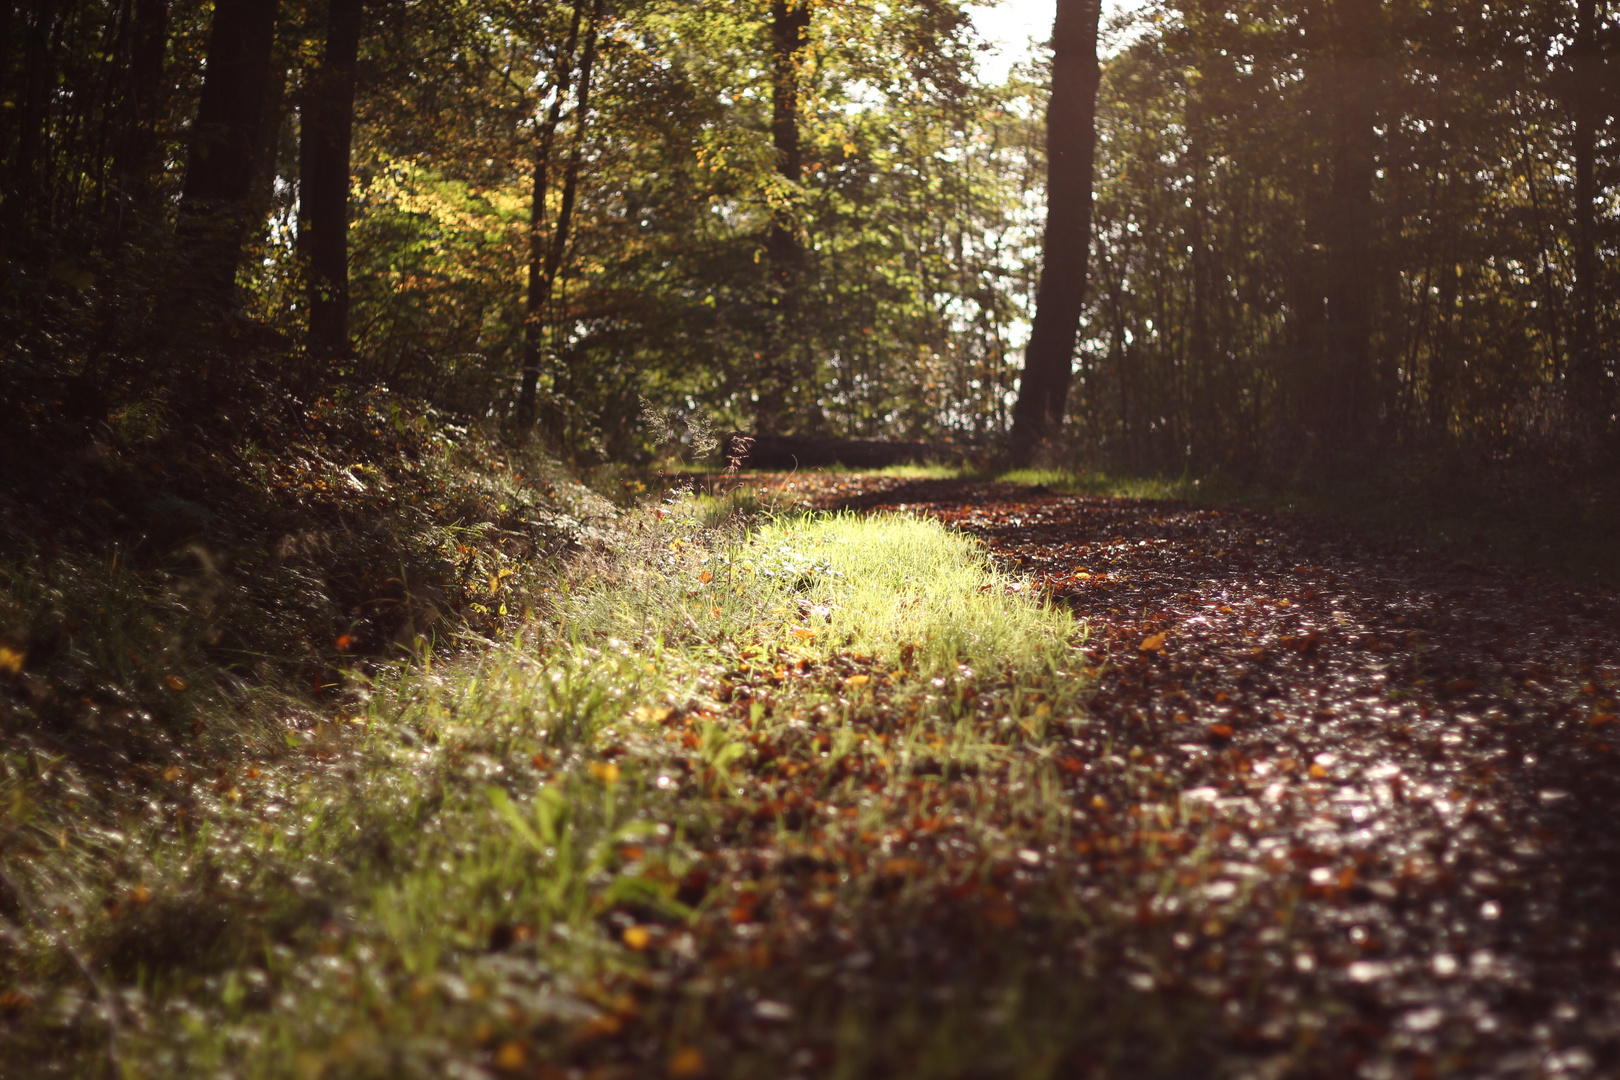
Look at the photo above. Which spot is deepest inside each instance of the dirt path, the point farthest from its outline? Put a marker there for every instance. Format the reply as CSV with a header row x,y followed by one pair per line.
x,y
1397,775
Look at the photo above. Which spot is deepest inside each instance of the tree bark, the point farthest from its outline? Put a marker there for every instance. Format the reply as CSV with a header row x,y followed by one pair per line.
x,y
1586,362
225,142
23,176
1043,390
565,208
135,149
790,19
1345,407
327,128
539,289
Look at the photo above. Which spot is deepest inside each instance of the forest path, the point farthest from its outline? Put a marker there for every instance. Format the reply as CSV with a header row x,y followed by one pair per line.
x,y
1404,767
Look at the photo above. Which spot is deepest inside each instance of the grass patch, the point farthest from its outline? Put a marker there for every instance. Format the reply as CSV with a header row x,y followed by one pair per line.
x,y
735,802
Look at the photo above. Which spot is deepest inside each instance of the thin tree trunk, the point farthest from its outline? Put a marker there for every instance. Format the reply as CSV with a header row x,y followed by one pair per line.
x,y
225,142
565,208
135,147
1586,365
1204,377
1060,297
536,295
789,21
23,176
1346,410
323,183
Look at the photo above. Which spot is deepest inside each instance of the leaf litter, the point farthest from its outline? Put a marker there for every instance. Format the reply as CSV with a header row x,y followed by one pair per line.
x,y
1354,796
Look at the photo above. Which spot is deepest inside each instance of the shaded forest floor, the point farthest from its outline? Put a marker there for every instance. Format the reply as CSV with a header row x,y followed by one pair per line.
x,y
1120,788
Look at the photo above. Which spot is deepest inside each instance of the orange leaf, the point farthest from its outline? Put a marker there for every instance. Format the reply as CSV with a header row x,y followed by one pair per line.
x,y
705,577
1152,644
510,1056
803,633
1221,731
685,1063
175,682
857,680
1602,718
11,660
637,937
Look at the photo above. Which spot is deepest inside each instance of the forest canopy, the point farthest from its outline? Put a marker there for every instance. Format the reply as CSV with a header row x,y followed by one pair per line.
x,y
1320,226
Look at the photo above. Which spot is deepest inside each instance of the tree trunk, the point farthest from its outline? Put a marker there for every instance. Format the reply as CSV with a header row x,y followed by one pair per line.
x,y
1586,363
323,184
1201,351
565,209
1043,390
790,19
538,290
225,142
135,149
23,176
1346,408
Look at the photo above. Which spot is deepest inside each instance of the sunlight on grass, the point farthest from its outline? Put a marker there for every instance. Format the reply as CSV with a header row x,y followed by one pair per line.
x,y
484,857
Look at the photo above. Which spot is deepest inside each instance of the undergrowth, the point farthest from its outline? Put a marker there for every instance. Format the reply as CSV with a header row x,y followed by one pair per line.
x,y
686,819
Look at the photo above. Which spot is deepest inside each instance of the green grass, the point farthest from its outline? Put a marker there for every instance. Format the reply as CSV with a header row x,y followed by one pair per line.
x,y
537,852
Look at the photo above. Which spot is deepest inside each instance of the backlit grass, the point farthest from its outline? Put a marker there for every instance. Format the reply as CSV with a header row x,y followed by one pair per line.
x,y
570,847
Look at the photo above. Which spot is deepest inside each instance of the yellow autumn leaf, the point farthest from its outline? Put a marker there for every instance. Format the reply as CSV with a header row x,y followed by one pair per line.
x,y
605,771
857,680
1152,643
11,660
803,633
705,577
637,937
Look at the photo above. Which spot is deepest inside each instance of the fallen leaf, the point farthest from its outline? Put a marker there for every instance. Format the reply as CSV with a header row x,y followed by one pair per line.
x,y
857,680
705,577
11,660
803,633
605,771
686,1062
511,1055
637,937
1152,643
175,682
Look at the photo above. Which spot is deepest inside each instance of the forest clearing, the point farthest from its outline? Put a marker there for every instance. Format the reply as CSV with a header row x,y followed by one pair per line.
x,y
737,539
